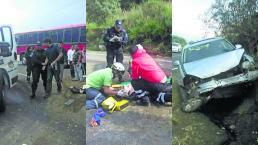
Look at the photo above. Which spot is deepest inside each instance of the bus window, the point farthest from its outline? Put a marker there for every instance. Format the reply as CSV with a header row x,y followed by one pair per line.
x,y
1,38
35,37
30,39
75,34
45,35
67,36
83,34
8,36
53,36
60,35
25,39
41,36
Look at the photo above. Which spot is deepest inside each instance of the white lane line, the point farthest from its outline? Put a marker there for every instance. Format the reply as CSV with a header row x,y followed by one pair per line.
x,y
22,74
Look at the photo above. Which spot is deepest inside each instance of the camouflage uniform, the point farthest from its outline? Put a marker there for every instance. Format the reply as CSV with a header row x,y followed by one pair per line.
x,y
77,65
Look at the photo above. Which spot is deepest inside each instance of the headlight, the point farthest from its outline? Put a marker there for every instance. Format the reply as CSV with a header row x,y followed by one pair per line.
x,y
247,65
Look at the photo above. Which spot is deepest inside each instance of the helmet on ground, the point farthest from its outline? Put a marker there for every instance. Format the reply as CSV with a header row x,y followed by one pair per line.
x,y
118,66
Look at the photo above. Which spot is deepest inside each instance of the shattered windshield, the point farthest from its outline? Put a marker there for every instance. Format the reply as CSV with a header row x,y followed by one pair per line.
x,y
208,49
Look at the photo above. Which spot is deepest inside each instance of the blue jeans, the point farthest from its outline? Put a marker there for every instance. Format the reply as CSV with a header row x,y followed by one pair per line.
x,y
94,98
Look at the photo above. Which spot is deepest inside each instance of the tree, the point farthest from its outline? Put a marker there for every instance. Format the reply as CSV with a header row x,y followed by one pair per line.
x,y
99,10
180,40
236,21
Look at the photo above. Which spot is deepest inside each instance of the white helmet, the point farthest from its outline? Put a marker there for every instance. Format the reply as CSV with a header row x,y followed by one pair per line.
x,y
118,66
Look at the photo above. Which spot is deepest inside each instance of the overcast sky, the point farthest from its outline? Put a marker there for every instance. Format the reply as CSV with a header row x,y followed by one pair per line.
x,y
27,15
187,21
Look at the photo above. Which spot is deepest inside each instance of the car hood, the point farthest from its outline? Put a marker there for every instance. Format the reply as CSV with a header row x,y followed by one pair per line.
x,y
214,65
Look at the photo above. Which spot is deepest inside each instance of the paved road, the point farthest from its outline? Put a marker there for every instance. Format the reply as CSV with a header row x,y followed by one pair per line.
x,y
137,125
31,122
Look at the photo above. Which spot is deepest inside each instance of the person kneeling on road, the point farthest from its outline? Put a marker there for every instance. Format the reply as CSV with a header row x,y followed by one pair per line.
x,y
98,85
148,79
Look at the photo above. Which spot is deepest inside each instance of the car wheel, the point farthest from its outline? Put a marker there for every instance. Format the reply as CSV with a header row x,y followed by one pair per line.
x,y
2,101
190,104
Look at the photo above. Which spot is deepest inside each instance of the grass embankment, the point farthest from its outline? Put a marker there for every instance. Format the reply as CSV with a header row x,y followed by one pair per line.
x,y
192,128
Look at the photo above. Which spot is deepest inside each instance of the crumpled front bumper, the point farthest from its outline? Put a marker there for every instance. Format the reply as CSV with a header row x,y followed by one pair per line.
x,y
238,79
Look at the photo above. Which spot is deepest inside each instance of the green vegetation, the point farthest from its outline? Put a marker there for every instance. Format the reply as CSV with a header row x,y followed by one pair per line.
x,y
148,22
235,20
180,40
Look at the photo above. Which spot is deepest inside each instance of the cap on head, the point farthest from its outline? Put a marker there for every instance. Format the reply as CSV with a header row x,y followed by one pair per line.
x,y
132,49
118,24
118,66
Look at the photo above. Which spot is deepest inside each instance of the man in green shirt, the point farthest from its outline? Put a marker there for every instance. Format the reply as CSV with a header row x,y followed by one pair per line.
x,y
98,85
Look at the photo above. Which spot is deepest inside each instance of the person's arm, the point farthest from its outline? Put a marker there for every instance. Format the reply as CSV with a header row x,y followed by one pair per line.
x,y
58,58
80,58
125,38
109,90
107,37
45,64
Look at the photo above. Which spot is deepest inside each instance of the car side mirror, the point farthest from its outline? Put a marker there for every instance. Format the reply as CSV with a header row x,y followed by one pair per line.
x,y
5,49
238,46
177,63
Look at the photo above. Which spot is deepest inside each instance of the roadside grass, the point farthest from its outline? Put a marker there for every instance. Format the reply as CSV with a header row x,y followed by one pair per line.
x,y
192,128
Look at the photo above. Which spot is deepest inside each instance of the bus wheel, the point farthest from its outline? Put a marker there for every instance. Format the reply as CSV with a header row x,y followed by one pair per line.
x,y
2,102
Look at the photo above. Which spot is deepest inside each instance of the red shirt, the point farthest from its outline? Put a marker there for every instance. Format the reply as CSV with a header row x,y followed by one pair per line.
x,y
144,66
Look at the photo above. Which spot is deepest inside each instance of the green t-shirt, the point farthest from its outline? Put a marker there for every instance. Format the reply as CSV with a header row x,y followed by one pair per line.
x,y
99,78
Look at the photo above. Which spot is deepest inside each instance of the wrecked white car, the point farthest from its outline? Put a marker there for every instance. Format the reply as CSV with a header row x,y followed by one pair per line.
x,y
213,68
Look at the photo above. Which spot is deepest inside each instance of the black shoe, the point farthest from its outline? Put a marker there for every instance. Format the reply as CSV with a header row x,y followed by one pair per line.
x,y
144,101
32,96
46,96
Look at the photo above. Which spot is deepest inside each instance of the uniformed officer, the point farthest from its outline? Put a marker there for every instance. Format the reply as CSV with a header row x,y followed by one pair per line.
x,y
28,56
115,39
38,68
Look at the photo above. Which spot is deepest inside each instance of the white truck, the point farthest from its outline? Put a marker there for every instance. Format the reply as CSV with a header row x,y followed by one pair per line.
x,y
8,63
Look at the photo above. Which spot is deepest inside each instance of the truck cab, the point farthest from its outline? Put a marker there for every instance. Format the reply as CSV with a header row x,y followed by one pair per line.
x,y
8,63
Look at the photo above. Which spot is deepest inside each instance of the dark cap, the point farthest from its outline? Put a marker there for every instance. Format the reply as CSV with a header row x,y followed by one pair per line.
x,y
132,49
118,24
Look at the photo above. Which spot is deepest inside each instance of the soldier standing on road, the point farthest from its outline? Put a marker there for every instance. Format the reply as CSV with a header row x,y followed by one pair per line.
x,y
115,39
54,54
77,59
28,56
38,68
62,61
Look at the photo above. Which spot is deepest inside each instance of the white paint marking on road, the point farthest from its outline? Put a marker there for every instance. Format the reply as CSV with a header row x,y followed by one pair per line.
x,y
22,74
174,68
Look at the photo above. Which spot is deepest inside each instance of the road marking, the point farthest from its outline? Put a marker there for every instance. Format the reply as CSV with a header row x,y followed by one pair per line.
x,y
22,74
174,68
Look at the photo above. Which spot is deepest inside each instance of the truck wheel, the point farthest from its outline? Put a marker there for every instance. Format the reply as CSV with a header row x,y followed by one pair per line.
x,y
2,102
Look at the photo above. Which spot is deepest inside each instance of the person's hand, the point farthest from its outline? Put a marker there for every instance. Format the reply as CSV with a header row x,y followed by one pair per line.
x,y
53,63
44,67
122,93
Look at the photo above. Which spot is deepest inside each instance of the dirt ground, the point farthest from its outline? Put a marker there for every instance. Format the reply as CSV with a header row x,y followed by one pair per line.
x,y
231,121
40,121
137,125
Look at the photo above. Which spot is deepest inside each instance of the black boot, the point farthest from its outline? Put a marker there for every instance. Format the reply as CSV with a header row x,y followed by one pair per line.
x,y
144,101
32,96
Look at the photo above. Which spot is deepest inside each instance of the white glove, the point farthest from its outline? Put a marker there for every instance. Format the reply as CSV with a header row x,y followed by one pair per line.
x,y
122,93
